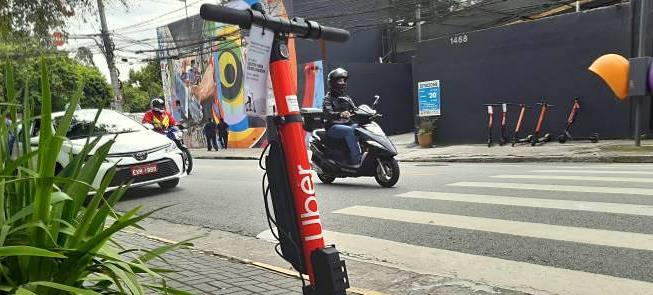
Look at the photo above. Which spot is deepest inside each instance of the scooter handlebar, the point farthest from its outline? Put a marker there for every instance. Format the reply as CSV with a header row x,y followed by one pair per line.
x,y
304,29
222,14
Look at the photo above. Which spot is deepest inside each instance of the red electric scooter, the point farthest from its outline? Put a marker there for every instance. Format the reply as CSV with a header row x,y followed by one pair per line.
x,y
566,135
490,112
504,122
535,137
288,170
515,137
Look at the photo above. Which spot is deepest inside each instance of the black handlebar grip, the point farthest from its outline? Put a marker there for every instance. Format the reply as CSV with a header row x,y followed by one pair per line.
x,y
226,15
334,34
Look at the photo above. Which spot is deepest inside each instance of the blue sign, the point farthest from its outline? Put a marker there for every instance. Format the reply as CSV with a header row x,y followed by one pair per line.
x,y
428,94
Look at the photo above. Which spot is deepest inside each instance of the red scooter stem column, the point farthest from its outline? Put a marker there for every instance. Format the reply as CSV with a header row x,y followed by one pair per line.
x,y
540,120
299,168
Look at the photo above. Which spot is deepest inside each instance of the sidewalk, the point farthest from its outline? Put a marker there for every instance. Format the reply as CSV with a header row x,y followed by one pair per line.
x,y
200,272
606,151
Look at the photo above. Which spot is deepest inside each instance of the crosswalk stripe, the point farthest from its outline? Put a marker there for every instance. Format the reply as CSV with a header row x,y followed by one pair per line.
x,y
575,177
515,275
611,166
558,188
617,208
595,172
516,228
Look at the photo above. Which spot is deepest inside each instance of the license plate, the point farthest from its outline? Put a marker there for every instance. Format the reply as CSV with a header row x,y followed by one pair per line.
x,y
144,169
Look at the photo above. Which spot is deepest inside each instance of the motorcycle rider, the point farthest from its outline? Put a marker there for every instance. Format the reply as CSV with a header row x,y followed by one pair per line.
x,y
159,117
338,108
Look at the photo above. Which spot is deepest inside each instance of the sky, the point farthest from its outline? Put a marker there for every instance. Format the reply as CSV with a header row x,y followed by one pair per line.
x,y
137,22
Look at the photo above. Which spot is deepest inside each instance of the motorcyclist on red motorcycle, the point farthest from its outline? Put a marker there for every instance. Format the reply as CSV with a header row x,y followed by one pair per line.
x,y
158,117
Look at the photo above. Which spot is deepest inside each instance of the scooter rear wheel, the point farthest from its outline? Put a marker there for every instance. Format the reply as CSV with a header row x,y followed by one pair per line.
x,y
325,178
594,138
391,175
562,138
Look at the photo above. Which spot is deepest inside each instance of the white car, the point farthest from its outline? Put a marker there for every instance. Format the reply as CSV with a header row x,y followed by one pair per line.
x,y
139,154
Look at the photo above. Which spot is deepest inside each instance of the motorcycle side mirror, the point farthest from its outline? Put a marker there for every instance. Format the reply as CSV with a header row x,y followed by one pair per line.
x,y
376,101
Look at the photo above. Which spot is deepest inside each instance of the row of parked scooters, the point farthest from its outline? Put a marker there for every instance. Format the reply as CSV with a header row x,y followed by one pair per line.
x,y
537,137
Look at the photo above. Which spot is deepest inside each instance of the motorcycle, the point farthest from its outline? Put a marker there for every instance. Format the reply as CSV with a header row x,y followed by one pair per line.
x,y
175,134
330,154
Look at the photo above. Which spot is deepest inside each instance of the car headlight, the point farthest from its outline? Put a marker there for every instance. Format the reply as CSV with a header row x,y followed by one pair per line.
x,y
171,148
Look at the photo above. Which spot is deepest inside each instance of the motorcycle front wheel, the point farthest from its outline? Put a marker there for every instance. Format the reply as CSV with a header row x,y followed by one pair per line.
x,y
325,178
387,172
188,160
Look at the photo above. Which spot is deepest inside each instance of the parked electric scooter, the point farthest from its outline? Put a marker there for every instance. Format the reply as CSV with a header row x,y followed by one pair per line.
x,y
330,155
535,138
504,123
566,135
490,112
520,120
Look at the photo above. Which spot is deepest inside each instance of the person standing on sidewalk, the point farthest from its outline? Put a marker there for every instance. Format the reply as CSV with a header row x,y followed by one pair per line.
x,y
210,132
223,128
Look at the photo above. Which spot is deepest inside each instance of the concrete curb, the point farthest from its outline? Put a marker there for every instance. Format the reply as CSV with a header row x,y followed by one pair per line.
x,y
491,159
280,270
533,159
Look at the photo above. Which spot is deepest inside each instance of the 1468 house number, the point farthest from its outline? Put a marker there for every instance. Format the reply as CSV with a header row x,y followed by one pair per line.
x,y
460,39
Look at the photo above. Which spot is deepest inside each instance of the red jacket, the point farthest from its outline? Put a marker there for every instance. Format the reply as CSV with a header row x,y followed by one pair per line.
x,y
159,120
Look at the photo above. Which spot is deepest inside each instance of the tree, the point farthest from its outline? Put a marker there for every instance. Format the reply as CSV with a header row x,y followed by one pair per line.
x,y
66,75
136,100
143,85
85,56
39,17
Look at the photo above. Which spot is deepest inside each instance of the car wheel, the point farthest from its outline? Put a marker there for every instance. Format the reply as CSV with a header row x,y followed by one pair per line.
x,y
169,184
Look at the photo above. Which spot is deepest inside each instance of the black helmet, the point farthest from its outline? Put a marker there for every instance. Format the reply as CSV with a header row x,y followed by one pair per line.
x,y
158,105
334,76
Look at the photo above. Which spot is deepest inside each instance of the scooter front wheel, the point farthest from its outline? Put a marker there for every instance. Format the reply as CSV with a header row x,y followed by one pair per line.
x,y
387,172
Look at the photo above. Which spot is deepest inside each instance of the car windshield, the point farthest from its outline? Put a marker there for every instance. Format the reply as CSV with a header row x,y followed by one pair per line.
x,y
109,122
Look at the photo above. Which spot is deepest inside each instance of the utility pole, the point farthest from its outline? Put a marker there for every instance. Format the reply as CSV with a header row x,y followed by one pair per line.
x,y
418,22
641,52
418,25
108,54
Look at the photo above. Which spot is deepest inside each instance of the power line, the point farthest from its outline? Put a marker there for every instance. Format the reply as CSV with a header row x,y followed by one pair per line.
x,y
155,18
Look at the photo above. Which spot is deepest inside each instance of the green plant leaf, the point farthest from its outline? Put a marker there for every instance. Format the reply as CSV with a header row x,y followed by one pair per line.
x,y
123,222
64,122
18,162
125,274
168,290
65,288
163,249
28,251
29,210
23,291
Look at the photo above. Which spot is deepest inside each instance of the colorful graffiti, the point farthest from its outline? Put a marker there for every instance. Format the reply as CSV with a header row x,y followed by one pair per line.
x,y
203,76
313,85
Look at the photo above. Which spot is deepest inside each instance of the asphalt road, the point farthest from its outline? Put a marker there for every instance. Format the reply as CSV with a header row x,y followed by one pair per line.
x,y
540,228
